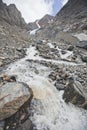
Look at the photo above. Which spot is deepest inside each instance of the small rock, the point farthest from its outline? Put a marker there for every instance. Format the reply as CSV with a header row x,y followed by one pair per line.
x,y
52,76
1,63
1,79
59,86
84,58
19,49
9,78
2,123
27,125
70,48
40,42
63,52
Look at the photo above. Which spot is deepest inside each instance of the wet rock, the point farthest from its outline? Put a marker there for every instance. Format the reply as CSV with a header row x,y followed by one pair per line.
x,y
70,48
20,120
82,44
47,56
59,86
21,52
75,94
52,76
8,78
27,125
20,49
12,97
40,42
1,79
84,58
2,123
63,52
1,63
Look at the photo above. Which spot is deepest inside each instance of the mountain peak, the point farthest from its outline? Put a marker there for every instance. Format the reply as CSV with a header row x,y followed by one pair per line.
x,y
12,6
11,15
43,22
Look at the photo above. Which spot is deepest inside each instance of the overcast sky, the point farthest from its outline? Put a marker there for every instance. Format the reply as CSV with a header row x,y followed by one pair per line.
x,y
36,9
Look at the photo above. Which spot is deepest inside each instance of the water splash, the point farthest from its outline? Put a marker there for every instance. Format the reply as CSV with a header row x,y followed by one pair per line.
x,y
48,110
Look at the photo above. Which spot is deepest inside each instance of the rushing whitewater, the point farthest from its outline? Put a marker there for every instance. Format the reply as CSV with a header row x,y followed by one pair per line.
x,y
48,111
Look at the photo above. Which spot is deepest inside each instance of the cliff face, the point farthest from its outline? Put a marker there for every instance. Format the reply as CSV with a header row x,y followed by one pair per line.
x,y
11,15
73,10
71,18
13,33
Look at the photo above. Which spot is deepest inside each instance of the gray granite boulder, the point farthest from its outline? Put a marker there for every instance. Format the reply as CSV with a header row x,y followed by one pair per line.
x,y
75,93
82,44
12,97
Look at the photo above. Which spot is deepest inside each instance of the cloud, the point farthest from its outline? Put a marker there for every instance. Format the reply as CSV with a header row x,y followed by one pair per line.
x,y
31,9
36,9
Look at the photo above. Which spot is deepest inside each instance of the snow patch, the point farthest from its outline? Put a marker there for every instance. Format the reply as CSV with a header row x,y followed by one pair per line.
x,y
33,32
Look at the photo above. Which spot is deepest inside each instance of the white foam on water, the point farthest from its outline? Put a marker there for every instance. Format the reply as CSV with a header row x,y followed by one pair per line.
x,y
50,45
48,110
67,55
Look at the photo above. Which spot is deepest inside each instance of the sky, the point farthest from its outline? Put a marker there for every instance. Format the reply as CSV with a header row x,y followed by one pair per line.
x,y
32,10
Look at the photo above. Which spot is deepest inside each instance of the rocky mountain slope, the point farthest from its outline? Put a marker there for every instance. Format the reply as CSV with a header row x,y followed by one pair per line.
x,y
13,33
72,11
11,15
71,18
73,15
43,22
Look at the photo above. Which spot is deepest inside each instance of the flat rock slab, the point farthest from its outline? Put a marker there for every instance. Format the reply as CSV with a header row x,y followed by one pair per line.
x,y
82,44
81,36
12,97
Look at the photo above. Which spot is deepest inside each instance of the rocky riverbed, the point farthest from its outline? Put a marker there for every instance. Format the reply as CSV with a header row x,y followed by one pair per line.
x,y
47,69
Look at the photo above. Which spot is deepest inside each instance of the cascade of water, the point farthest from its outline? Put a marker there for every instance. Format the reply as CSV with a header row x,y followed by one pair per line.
x,y
48,110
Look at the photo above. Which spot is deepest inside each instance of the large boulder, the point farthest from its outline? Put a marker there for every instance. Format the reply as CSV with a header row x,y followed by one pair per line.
x,y
13,96
82,44
84,58
70,47
75,94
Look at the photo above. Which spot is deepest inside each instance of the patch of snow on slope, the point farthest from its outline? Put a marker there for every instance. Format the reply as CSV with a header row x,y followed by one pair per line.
x,y
33,32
